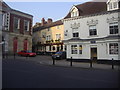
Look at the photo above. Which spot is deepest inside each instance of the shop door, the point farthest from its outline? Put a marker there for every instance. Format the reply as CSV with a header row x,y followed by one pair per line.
x,y
94,53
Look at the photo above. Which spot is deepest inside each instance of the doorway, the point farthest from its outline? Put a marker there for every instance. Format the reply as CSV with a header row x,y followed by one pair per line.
x,y
94,53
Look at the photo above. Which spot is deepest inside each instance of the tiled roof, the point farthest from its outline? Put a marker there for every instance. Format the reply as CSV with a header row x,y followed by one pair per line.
x,y
90,8
48,25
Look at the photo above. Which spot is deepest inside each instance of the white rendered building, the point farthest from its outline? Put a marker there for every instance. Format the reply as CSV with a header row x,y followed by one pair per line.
x,y
92,31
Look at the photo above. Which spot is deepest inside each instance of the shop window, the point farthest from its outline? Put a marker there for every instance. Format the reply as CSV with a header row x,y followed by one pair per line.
x,y
80,49
113,48
73,49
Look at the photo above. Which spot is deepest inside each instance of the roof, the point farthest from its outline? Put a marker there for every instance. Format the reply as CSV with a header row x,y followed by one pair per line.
x,y
22,12
48,25
90,8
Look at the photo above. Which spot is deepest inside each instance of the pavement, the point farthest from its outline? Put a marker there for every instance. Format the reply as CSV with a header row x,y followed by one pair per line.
x,y
47,60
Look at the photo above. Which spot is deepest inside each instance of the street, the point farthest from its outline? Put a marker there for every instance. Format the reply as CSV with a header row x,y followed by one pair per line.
x,y
22,73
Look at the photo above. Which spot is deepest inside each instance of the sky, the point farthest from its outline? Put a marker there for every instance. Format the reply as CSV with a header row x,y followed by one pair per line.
x,y
54,10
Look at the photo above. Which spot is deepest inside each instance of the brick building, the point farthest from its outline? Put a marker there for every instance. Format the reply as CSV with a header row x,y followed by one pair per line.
x,y
16,30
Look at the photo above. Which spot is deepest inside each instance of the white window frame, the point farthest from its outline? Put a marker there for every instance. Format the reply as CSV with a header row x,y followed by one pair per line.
x,y
18,22
113,24
92,28
113,50
58,36
74,49
28,25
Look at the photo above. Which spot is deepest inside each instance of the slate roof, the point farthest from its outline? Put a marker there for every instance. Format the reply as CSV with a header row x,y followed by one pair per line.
x,y
90,8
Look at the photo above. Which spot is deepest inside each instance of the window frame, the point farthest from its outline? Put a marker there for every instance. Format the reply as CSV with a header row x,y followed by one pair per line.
x,y
80,49
92,30
28,25
74,49
75,34
17,27
112,28
113,49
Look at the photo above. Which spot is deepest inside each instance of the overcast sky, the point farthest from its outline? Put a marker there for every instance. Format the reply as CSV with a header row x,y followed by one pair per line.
x,y
54,10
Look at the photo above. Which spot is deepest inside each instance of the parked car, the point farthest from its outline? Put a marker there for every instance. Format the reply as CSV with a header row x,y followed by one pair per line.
x,y
59,55
26,53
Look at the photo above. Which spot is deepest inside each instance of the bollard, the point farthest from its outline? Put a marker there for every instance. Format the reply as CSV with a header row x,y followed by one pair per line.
x,y
91,63
112,63
71,61
53,61
14,55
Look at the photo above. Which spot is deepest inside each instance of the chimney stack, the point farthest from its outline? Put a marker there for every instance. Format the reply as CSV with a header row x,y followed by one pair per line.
x,y
49,20
43,22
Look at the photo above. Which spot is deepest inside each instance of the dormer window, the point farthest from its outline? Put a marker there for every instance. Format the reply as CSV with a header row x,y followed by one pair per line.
x,y
74,12
112,5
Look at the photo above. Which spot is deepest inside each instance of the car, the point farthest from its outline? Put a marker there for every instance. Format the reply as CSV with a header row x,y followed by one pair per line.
x,y
59,55
26,53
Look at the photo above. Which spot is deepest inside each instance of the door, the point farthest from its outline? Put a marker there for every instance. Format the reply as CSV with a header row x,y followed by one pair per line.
x,y
94,53
15,44
25,45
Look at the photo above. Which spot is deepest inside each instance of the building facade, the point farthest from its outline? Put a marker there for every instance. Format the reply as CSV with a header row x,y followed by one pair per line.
x,y
16,30
48,36
92,31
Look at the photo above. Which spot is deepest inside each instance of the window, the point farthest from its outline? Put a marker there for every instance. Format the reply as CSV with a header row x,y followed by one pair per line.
x,y
92,30
5,20
110,6
80,49
65,33
16,23
58,27
113,48
113,28
76,34
48,38
58,36
26,25
73,49
115,4
48,29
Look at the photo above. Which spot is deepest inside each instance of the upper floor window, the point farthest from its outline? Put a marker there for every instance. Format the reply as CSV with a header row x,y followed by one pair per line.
x,y
74,14
73,49
26,25
113,28
92,30
48,29
110,6
113,48
48,37
114,4
58,27
5,20
76,34
16,23
58,36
